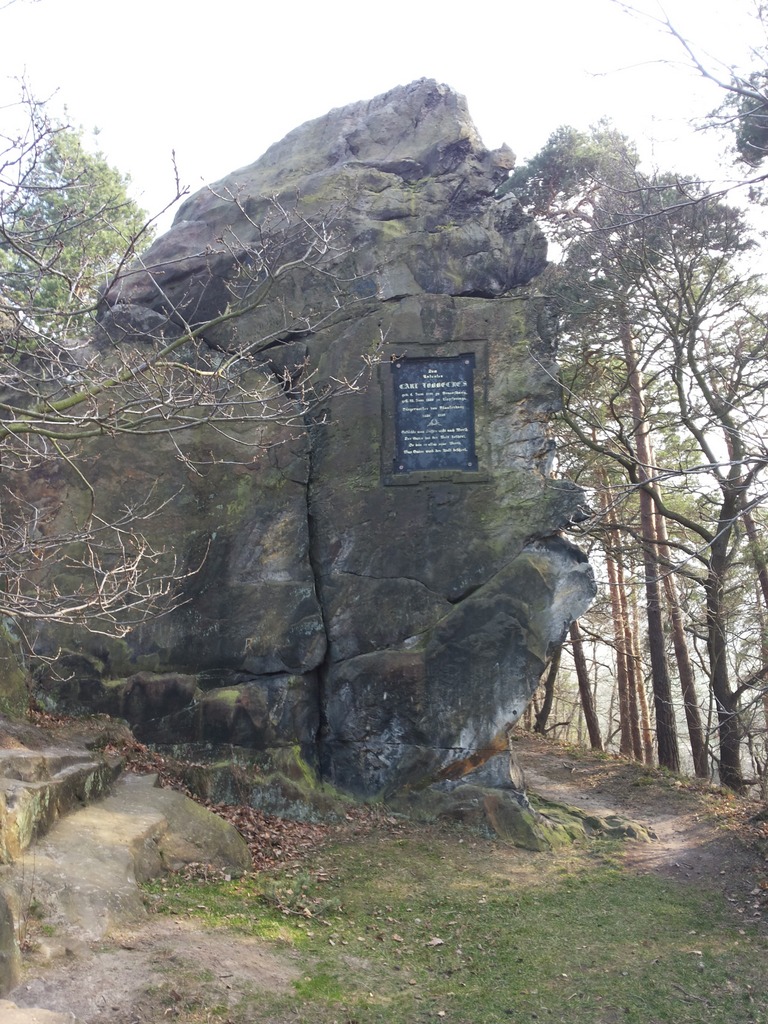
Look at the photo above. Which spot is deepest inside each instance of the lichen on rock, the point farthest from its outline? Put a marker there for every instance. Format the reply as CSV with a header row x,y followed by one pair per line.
x,y
386,623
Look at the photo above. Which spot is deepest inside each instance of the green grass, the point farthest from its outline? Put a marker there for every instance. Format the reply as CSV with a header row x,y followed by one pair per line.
x,y
430,926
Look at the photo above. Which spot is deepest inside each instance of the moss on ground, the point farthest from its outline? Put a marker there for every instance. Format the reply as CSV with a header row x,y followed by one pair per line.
x,y
407,924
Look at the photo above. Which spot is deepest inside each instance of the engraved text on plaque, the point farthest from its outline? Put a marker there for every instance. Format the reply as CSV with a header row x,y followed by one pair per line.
x,y
434,414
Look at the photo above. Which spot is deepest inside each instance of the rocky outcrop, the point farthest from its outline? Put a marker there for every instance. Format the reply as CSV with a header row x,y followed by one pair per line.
x,y
76,836
80,881
380,580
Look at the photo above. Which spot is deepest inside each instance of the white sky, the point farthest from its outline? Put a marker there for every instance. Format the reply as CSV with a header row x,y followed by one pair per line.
x,y
219,82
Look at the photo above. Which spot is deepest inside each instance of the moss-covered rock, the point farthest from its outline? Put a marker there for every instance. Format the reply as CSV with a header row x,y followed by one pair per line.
x,y
14,679
521,819
388,621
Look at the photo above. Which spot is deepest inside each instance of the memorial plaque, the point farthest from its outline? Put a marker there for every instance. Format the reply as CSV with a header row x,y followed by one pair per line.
x,y
434,414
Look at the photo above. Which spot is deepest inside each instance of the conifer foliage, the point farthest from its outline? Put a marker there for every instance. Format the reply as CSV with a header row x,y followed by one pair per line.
x,y
662,323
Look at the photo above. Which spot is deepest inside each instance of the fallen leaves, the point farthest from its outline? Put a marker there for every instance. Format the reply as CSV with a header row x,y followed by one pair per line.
x,y
274,841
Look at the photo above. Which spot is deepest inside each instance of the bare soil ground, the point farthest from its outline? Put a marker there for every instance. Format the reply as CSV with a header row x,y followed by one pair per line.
x,y
703,836
701,831
126,980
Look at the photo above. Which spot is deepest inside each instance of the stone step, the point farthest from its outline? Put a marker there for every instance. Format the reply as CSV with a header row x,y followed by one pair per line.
x,y
10,1013
37,787
83,876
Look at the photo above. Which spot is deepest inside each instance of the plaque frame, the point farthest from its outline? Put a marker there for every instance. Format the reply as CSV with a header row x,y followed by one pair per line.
x,y
392,476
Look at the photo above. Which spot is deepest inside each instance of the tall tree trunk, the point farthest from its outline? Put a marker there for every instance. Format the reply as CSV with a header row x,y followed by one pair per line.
x,y
636,663
634,675
683,659
585,691
629,731
733,488
762,582
666,729
543,713
528,715
757,557
726,701
633,697
626,744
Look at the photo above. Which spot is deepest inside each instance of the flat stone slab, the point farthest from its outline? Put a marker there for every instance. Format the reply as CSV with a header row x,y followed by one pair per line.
x,y
82,879
37,787
10,1013
84,873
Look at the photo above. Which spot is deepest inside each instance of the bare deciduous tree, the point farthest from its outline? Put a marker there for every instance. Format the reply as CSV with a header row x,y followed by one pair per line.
x,y
79,366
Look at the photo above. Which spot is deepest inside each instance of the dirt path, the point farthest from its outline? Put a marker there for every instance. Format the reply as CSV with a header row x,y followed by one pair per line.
x,y
126,980
692,822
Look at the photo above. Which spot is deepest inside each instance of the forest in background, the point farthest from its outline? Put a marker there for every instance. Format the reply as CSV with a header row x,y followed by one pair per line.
x,y
661,315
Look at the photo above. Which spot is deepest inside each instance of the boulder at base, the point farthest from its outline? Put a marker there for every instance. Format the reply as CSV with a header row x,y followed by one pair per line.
x,y
378,572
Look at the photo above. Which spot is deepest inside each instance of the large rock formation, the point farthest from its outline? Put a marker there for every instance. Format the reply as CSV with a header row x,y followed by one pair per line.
x,y
382,582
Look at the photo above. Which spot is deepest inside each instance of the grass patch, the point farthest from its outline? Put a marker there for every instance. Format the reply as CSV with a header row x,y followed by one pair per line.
x,y
423,925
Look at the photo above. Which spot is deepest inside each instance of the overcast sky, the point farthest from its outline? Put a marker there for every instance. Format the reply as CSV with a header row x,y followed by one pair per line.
x,y
219,82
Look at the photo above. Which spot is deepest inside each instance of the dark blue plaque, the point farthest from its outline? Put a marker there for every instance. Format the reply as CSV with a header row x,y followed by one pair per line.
x,y
434,414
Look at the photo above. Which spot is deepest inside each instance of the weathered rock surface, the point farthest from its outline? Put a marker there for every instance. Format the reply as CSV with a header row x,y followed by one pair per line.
x,y
10,1013
387,623
37,788
81,878
494,796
